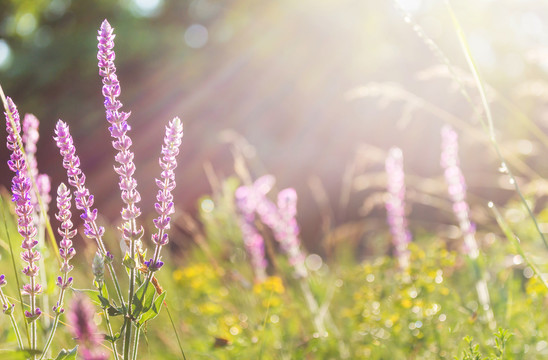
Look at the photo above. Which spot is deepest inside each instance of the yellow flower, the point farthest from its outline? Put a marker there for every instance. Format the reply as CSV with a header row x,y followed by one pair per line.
x,y
273,284
210,308
406,303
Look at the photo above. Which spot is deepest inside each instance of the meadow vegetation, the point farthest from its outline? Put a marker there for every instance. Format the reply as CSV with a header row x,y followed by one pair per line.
x,y
247,288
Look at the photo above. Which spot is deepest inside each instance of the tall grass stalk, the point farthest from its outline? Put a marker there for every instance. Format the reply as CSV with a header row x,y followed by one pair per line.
x,y
489,118
516,242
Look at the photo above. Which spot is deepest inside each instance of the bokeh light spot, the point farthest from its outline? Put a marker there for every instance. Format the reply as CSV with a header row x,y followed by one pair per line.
x,y
207,205
196,36
410,5
147,8
314,262
5,54
26,24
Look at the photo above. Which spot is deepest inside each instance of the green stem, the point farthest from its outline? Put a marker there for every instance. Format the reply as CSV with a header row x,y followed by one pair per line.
x,y
51,335
127,322
58,308
5,302
175,330
515,240
111,334
128,319
136,342
313,306
116,284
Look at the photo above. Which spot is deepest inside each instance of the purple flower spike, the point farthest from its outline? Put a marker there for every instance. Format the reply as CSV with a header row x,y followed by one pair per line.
x,y
43,184
280,219
395,206
21,196
3,280
119,127
82,197
30,138
154,266
457,188
168,163
65,245
80,317
31,316
164,207
253,241
286,229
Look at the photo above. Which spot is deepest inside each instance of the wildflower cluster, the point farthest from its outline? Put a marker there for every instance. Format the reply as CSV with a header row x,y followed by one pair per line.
x,y
141,305
281,219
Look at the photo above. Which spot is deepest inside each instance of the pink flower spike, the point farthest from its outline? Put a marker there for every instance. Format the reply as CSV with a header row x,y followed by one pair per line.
x,y
457,188
165,207
395,206
118,125
21,196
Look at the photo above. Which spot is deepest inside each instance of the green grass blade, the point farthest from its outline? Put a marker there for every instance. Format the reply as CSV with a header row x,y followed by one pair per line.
x,y
174,330
489,117
515,240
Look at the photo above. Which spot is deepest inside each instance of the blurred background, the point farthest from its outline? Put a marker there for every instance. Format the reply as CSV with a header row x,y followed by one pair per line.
x,y
313,92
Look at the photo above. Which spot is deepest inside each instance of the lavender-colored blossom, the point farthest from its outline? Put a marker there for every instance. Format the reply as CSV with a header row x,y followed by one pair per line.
x,y
281,219
21,189
80,317
6,305
66,251
30,138
164,207
395,206
43,183
118,126
82,197
457,188
287,231
253,241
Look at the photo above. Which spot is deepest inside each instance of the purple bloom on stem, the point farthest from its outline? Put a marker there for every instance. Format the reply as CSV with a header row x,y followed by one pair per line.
x,y
30,138
21,196
82,197
118,128
287,230
253,241
281,219
395,206
457,188
65,245
80,317
7,307
164,207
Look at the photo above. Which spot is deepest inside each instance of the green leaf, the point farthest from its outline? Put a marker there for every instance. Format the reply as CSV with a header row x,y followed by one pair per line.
x,y
112,311
14,354
104,302
129,262
143,298
154,310
67,354
91,293
112,338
